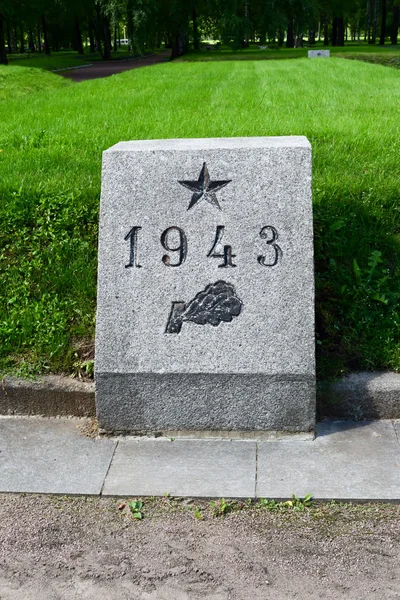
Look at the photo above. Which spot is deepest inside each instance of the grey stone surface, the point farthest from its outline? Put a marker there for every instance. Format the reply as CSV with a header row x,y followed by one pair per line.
x,y
197,468
319,53
182,401
373,395
396,425
51,456
347,461
154,372
51,395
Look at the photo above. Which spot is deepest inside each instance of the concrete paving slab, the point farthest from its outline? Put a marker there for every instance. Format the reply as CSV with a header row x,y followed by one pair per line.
x,y
51,456
347,461
198,468
355,432
397,429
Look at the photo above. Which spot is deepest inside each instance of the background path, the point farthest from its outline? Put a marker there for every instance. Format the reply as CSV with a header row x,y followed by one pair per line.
x,y
92,549
112,67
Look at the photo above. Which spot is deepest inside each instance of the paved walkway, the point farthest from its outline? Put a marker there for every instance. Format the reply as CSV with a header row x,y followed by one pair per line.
x,y
346,461
112,67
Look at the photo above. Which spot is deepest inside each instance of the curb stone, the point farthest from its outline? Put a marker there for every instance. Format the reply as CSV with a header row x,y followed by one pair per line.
x,y
72,68
365,395
359,396
51,396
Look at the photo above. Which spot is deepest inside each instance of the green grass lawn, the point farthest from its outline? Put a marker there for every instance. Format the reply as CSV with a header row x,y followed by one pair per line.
x,y
50,166
57,60
388,59
16,82
209,54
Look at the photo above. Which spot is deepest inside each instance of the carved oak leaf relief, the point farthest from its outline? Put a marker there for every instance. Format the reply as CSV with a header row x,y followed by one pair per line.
x,y
218,302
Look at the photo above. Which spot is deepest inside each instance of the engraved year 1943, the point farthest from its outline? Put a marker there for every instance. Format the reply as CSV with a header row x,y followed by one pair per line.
x,y
174,241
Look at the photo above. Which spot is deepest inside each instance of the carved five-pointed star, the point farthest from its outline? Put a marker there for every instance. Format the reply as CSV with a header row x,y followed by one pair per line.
x,y
204,188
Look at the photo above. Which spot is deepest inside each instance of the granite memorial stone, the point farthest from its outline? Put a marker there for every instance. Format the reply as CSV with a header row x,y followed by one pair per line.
x,y
205,318
319,53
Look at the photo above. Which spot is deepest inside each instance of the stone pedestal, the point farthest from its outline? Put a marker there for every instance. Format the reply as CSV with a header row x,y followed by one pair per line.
x,y
205,317
319,53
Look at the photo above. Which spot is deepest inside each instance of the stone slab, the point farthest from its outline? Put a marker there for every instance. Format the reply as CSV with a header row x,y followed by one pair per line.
x,y
363,395
319,53
346,461
249,403
51,395
196,468
51,456
218,333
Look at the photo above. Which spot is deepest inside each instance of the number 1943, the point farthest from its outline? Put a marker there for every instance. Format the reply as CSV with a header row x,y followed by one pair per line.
x,y
174,242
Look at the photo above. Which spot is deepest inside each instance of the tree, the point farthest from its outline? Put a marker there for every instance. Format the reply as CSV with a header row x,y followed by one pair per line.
x,y
383,23
3,54
395,25
375,21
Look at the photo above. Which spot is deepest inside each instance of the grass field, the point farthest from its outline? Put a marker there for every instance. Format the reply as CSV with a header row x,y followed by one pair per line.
x,y
209,54
50,165
57,60
16,82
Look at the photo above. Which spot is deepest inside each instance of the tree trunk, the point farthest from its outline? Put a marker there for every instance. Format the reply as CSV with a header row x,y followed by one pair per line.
x,y
340,31
129,23
91,36
21,39
246,16
45,38
78,36
383,23
56,38
107,38
39,38
3,55
375,21
368,23
290,35
98,30
196,39
326,31
395,25
14,39
334,32
31,41
115,37
311,37
9,45
179,44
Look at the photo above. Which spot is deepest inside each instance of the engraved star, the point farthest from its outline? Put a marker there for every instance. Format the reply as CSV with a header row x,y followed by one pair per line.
x,y
204,188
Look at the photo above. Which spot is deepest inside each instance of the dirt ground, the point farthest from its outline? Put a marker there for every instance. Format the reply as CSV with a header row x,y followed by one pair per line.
x,y
92,548
106,68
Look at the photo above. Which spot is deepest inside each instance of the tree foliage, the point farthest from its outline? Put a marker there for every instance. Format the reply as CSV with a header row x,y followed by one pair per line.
x,y
98,25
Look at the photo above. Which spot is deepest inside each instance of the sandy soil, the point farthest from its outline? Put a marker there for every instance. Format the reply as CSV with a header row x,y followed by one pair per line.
x,y
70,548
